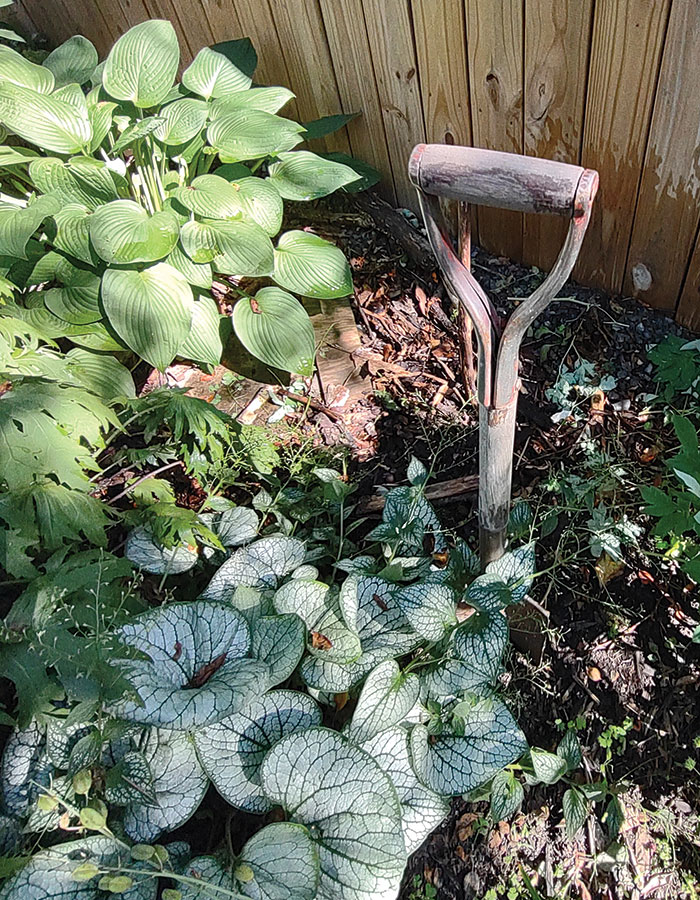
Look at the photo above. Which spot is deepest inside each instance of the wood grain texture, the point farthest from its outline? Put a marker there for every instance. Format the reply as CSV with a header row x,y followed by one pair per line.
x,y
663,238
555,70
303,39
627,40
349,47
495,53
395,67
688,311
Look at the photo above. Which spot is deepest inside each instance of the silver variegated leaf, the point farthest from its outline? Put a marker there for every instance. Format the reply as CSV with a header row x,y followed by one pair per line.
x,y
45,820
317,604
283,861
386,698
233,750
49,873
236,526
195,673
429,608
516,568
179,785
350,807
334,678
452,764
146,554
25,767
422,810
259,565
278,641
477,647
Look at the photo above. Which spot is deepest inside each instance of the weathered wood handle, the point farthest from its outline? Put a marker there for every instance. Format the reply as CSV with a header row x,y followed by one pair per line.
x,y
492,178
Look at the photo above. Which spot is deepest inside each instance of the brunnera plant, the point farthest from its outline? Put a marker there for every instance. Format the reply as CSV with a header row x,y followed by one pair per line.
x,y
237,689
113,224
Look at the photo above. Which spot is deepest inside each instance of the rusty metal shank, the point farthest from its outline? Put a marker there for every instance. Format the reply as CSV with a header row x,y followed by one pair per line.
x,y
515,182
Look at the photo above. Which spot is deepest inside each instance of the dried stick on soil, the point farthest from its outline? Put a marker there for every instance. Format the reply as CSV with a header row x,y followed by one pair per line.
x,y
453,489
397,227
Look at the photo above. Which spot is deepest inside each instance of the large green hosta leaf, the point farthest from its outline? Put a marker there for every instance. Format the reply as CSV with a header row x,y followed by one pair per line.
x,y
195,673
18,224
123,232
211,74
197,274
280,862
232,751
267,99
49,873
358,830
203,343
101,374
250,133
308,265
147,554
260,565
179,785
388,695
73,62
17,69
44,120
232,247
456,763
214,197
142,65
77,299
422,810
276,328
73,232
181,121
302,175
150,310
329,637
78,180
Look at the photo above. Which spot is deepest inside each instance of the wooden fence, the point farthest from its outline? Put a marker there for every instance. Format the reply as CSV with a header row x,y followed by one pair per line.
x,y
612,84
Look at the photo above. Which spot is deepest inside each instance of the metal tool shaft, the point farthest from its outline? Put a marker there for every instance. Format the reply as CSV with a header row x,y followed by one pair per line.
x,y
510,181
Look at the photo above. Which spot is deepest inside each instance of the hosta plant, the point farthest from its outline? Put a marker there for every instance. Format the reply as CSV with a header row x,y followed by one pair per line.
x,y
359,704
128,192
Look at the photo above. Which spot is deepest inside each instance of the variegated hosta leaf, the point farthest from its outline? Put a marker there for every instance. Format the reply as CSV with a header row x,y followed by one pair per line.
x,y
278,641
25,767
452,764
145,553
195,674
232,751
429,608
387,697
477,646
179,785
260,565
317,605
516,568
422,810
49,874
350,807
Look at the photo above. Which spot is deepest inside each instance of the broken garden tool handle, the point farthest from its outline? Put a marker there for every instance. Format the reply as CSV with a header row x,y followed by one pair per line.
x,y
492,178
508,181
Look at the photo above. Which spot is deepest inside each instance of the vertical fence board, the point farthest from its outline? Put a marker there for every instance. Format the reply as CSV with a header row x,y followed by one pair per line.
x,y
663,237
627,40
303,39
349,47
495,48
688,312
556,59
395,68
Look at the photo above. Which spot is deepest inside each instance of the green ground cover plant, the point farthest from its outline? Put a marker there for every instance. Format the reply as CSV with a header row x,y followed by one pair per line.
x,y
128,192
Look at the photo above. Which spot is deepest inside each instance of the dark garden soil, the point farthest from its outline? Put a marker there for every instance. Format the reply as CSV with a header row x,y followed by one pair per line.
x,y
617,649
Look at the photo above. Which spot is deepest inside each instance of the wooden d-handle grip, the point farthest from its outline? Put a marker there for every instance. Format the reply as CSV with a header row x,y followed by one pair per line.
x,y
504,180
